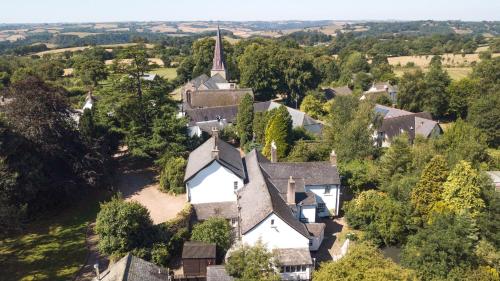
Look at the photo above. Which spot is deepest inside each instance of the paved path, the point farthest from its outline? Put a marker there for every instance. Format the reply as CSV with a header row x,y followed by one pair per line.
x,y
87,272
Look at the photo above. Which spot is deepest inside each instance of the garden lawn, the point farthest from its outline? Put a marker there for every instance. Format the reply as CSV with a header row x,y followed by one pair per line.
x,y
52,248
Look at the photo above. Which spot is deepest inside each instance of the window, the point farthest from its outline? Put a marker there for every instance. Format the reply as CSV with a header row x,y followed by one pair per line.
x,y
321,207
282,269
310,242
272,222
327,189
235,185
234,221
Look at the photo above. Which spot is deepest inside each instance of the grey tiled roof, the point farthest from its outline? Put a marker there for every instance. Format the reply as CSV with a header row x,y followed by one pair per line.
x,y
213,81
211,113
313,173
411,124
315,229
130,268
296,256
201,157
299,118
198,250
337,91
390,112
218,273
199,80
218,97
260,198
227,210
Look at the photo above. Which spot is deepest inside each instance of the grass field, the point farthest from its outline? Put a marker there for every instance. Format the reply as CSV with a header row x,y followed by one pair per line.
x,y
456,73
448,60
52,248
165,72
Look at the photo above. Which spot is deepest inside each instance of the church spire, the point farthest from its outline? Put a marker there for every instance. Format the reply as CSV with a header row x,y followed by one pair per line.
x,y
218,66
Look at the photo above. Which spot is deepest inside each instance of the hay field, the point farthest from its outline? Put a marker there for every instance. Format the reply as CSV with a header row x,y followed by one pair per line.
x,y
80,34
456,73
128,61
449,60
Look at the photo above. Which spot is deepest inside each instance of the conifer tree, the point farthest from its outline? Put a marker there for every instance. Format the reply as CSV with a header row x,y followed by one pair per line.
x,y
279,130
429,189
462,190
244,119
397,159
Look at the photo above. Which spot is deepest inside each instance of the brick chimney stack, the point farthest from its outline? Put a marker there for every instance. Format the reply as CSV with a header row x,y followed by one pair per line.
x,y
333,158
290,196
274,152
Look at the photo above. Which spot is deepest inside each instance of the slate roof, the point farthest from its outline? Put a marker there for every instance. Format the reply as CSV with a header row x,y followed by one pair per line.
x,y
201,157
331,93
218,273
259,198
299,118
198,250
212,113
313,173
218,97
227,210
315,229
411,124
296,256
213,81
199,80
390,112
130,268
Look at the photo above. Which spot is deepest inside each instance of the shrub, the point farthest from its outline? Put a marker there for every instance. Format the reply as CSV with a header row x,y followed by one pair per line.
x,y
172,176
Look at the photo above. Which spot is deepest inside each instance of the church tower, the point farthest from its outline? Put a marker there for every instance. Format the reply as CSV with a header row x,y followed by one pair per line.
x,y
218,66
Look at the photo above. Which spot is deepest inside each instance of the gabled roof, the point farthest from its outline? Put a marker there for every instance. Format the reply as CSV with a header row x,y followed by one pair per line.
x,y
218,273
212,113
412,124
218,97
260,198
299,118
199,80
213,81
331,93
198,250
313,173
295,256
390,112
204,211
201,157
130,268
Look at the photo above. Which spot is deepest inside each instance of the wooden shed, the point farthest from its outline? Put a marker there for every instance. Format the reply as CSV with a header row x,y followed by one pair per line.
x,y
196,256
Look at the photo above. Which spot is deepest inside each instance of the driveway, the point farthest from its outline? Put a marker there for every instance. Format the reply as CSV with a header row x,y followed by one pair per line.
x,y
139,182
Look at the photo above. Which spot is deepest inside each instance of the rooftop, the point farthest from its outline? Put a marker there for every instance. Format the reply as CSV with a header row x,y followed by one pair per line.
x,y
198,250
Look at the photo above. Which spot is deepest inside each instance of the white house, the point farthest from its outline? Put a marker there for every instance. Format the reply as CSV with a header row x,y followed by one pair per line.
x,y
272,202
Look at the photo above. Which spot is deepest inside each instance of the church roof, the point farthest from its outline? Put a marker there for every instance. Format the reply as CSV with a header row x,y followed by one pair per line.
x,y
218,63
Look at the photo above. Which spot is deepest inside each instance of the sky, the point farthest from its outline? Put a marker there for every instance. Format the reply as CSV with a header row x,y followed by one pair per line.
x,y
40,11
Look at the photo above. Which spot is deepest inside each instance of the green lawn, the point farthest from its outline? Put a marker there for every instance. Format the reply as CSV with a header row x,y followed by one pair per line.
x,y
166,72
52,248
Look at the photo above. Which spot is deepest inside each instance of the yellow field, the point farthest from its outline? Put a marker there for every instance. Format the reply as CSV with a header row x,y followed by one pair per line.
x,y
74,49
127,61
80,34
456,73
450,60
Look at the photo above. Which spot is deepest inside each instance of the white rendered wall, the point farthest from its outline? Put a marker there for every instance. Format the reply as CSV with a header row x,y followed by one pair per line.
x,y
215,183
316,242
277,236
331,200
308,212
306,275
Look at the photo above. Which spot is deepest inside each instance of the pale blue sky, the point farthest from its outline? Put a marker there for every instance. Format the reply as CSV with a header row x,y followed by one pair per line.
x,y
28,11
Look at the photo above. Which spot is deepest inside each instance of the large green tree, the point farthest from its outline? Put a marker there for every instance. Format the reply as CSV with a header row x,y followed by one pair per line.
x,y
244,119
90,70
252,263
122,226
397,159
362,262
278,130
214,230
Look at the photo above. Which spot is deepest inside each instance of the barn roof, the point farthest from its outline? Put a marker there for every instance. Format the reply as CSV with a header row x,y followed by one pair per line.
x,y
198,250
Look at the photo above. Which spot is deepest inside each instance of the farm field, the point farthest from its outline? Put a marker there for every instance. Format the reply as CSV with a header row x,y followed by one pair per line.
x,y
52,248
74,49
449,60
456,73
165,72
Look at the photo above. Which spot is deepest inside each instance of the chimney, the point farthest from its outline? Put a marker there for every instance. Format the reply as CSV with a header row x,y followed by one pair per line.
x,y
290,196
274,153
215,135
333,158
96,267
215,153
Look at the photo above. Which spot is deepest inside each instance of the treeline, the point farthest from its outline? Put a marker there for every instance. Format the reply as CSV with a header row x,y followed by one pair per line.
x,y
307,37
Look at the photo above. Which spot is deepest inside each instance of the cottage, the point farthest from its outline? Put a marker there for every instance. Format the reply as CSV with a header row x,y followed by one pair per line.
x,y
381,88
278,203
130,268
196,256
396,121
331,93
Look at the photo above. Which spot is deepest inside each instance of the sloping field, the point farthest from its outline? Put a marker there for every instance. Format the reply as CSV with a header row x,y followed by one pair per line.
x,y
451,60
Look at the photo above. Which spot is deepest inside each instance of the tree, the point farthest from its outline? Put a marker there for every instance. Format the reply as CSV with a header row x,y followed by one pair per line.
x,y
214,230
359,175
354,63
381,217
462,141
122,226
429,189
312,105
363,261
278,130
87,126
252,263
172,176
484,115
445,244
90,71
461,93
437,81
461,190
135,68
397,159
411,95
244,119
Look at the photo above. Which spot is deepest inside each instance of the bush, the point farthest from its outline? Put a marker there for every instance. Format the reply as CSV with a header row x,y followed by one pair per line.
x,y
214,230
160,254
172,176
